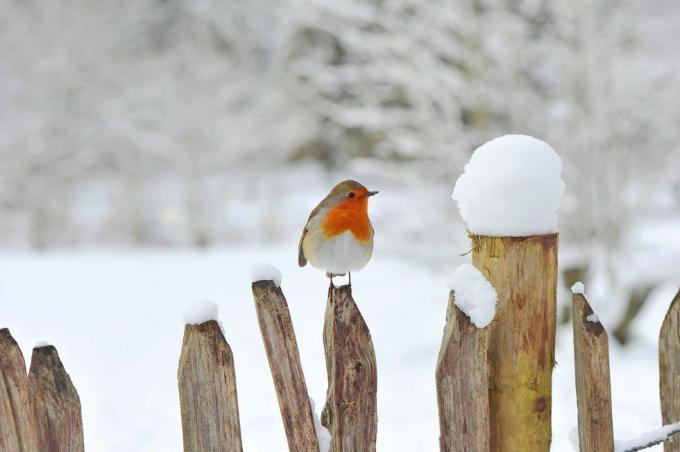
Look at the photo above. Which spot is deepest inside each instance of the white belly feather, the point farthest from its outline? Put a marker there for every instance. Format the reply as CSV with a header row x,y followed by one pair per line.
x,y
340,254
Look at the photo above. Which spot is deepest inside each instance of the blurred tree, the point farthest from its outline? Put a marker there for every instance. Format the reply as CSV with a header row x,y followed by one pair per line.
x,y
148,102
604,112
382,78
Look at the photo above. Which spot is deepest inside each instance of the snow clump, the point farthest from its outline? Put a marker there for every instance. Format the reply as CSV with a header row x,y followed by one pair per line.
x,y
265,272
200,312
578,288
512,186
474,295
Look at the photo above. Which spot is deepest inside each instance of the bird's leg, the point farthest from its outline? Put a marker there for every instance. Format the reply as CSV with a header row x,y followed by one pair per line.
x,y
330,278
350,278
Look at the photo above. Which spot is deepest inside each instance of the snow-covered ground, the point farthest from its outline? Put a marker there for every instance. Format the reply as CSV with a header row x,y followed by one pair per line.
x,y
116,319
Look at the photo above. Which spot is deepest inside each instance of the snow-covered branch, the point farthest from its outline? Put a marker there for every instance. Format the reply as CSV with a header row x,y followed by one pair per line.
x,y
648,439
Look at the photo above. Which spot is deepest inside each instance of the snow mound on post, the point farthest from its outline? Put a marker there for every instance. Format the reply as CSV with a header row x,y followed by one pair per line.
x,y
578,288
512,186
265,272
474,295
200,312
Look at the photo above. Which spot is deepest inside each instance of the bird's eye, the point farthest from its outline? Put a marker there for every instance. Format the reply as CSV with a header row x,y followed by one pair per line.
x,y
350,195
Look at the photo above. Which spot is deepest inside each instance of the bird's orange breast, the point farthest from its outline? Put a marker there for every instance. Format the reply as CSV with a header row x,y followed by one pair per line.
x,y
348,216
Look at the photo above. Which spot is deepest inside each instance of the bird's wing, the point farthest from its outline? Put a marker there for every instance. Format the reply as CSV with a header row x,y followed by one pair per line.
x,y
302,260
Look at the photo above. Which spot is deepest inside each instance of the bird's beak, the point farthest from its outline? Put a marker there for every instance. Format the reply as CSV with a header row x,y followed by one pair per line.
x,y
371,193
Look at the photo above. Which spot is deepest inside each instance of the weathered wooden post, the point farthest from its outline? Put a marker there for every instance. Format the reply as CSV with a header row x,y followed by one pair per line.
x,y
463,384
509,195
523,270
350,413
593,387
280,344
17,426
207,391
669,370
55,402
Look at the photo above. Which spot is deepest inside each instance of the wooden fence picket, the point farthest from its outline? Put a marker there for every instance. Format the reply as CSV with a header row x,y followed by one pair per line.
x,y
593,387
523,270
669,370
207,391
350,413
17,425
55,402
462,379
280,344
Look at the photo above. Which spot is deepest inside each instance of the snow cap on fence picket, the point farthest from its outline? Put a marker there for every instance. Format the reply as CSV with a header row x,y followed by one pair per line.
x,y
578,288
474,295
265,272
200,312
512,186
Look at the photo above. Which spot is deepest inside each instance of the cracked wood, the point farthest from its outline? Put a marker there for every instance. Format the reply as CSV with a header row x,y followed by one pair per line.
x,y
463,384
207,391
280,344
593,387
350,413
523,270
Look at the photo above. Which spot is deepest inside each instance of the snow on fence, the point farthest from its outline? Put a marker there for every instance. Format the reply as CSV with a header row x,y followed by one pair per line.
x,y
493,375
40,410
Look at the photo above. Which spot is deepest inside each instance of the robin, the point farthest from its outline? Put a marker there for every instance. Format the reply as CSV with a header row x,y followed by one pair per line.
x,y
338,236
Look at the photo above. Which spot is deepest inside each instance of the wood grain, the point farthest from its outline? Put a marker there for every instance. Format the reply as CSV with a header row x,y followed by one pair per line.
x,y
280,344
350,413
55,401
669,370
17,426
463,384
593,387
207,391
523,270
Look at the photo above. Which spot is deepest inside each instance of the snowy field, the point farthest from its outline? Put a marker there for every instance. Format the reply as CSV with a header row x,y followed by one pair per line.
x,y
116,319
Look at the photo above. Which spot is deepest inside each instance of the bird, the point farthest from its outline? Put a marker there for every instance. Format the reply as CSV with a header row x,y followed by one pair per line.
x,y
338,235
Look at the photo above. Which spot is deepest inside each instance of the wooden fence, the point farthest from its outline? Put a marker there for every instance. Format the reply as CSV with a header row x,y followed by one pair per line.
x,y
39,411
493,384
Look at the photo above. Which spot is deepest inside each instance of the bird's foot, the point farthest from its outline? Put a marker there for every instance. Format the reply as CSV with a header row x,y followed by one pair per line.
x,y
330,276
